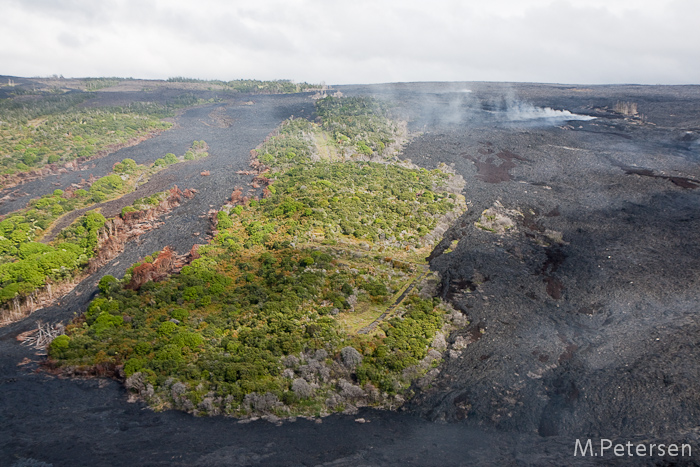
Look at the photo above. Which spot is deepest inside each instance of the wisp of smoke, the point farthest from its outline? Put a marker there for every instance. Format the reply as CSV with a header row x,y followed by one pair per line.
x,y
518,112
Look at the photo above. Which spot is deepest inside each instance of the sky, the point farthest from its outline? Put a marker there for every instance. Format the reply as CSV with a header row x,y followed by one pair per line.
x,y
356,41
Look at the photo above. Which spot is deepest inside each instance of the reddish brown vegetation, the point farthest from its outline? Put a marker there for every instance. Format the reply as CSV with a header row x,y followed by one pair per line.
x,y
165,264
194,254
258,166
261,180
100,370
237,196
121,229
154,271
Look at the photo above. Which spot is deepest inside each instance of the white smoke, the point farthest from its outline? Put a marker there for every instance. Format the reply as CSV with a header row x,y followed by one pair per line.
x,y
519,112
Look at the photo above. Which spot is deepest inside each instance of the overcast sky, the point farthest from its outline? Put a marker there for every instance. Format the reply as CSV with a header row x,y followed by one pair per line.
x,y
356,41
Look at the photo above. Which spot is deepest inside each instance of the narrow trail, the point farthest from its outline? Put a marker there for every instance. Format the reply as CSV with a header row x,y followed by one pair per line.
x,y
390,310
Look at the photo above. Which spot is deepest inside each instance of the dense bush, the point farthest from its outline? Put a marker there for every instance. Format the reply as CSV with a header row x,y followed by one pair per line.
x,y
36,263
358,121
32,139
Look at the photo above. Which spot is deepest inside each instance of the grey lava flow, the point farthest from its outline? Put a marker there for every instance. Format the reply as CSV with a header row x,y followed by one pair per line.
x,y
577,266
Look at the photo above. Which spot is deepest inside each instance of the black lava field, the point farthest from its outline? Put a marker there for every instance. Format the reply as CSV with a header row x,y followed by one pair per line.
x,y
584,314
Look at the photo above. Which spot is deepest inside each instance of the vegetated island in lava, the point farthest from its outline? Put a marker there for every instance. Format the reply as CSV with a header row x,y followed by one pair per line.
x,y
313,298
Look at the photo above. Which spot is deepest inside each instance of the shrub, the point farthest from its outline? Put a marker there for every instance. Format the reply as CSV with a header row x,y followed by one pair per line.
x,y
180,314
105,187
126,210
33,248
170,158
167,328
351,357
224,220
126,166
106,283
188,339
60,343
364,149
134,365
302,389
105,322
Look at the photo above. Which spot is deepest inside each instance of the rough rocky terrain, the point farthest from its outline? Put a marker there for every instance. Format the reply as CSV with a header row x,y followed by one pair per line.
x,y
583,311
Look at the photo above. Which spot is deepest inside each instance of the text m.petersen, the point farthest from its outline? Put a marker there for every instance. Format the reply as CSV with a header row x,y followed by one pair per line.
x,y
606,447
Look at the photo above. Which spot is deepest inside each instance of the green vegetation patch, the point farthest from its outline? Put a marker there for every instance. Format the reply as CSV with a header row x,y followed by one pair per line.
x,y
253,86
348,128
230,329
94,84
58,138
265,321
357,201
37,263
38,130
357,121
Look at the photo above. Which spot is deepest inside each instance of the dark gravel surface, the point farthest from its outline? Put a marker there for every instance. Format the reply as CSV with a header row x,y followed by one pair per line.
x,y
594,336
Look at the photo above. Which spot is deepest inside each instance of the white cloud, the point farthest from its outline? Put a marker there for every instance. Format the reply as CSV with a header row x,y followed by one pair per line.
x,y
601,41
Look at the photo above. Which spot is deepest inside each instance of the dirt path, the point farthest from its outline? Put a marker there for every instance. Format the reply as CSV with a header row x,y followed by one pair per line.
x,y
390,310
